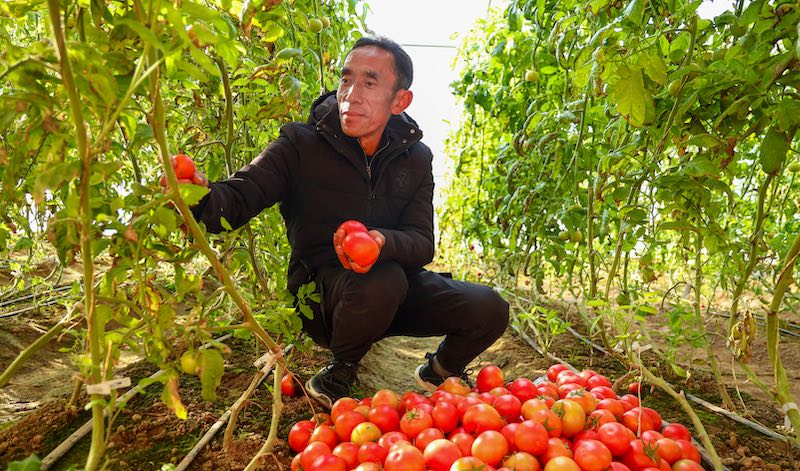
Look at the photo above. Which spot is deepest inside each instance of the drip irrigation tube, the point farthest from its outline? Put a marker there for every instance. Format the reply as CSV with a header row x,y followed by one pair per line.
x,y
53,301
35,295
76,436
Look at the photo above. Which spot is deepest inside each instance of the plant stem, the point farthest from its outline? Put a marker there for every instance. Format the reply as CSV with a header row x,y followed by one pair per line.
x,y
95,327
31,349
277,408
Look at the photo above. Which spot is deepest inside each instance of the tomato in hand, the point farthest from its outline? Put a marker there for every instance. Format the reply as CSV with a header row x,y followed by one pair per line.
x,y
184,167
352,226
360,248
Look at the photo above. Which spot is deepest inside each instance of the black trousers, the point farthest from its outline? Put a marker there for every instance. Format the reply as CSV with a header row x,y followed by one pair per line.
x,y
357,310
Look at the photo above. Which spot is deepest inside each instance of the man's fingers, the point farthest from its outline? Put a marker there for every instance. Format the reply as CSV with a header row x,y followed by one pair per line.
x,y
340,254
199,179
359,269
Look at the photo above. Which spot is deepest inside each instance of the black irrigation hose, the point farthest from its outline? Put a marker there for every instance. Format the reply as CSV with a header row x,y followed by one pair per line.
x,y
56,300
706,458
35,295
718,410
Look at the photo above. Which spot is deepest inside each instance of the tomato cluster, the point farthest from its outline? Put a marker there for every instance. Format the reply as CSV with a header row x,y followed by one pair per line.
x,y
358,245
566,421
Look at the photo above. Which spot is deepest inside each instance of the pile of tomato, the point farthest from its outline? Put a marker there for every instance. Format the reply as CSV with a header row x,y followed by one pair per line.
x,y
567,421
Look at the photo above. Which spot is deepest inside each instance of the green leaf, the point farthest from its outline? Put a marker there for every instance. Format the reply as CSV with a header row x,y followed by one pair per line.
x,y
773,151
204,61
629,95
634,12
192,194
143,32
654,66
225,224
210,370
287,54
31,463
548,70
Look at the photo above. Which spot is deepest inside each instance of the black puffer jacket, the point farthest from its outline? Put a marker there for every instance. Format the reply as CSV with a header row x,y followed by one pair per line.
x,y
321,178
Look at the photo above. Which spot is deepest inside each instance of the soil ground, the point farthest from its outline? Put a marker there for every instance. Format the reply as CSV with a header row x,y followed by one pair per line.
x,y
35,417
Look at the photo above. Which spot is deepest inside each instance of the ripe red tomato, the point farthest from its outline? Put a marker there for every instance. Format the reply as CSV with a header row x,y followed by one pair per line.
x,y
567,388
440,395
387,397
441,454
328,462
612,405
312,452
562,463
585,435
531,437
404,457
616,437
287,386
617,466
415,421
689,450
598,418
324,434
389,439
469,463
481,417
412,399
638,421
597,381
640,456
361,248
465,403
603,392
635,388
371,452
426,436
573,418
299,435
362,409
669,450
553,371
677,431
550,421
530,407
368,466
342,405
555,447
523,389
489,377
592,455
651,436
508,431
351,226
630,399
567,376
365,432
584,398
347,451
295,465
655,417
445,416
464,442
345,423
321,418
385,417
184,167
507,406
686,465
499,391
490,447
522,461
454,385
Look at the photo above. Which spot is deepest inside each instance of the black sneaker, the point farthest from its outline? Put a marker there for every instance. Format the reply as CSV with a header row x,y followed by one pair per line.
x,y
428,379
332,382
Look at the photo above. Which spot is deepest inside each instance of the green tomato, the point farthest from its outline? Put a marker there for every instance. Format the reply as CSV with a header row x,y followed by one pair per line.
x,y
532,76
326,22
793,167
563,235
315,25
189,362
576,236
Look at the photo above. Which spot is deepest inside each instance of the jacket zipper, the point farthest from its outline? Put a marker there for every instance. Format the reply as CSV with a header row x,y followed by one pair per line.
x,y
368,162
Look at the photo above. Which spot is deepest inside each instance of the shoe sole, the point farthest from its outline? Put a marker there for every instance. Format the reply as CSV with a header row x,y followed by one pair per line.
x,y
318,396
430,387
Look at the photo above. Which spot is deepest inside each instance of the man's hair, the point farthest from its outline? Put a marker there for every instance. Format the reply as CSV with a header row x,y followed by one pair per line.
x,y
403,68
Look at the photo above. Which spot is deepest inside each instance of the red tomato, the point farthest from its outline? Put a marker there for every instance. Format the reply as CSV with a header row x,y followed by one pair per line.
x,y
387,397
555,447
562,463
426,436
445,416
367,401
312,452
553,371
676,432
655,417
389,439
348,451
361,248
597,381
321,418
592,455
567,388
508,431
635,388
690,451
362,409
487,398
584,398
616,437
489,377
550,421
287,386
411,399
523,389
385,417
423,406
640,456
404,458
454,385
295,465
342,405
522,461
345,423
651,436
441,454
440,395
686,465
368,466
566,377
184,167
371,452
469,463
598,418
630,399
352,226
328,463
587,373
531,437
415,421
490,447
463,441
530,407
573,418
617,466
499,391
324,434
299,435
638,421
585,435
481,417
668,450
612,405
365,432
603,392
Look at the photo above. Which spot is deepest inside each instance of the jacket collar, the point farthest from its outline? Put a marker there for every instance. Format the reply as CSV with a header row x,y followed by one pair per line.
x,y
401,131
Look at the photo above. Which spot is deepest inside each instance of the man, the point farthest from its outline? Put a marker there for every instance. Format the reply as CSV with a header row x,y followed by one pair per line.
x,y
360,157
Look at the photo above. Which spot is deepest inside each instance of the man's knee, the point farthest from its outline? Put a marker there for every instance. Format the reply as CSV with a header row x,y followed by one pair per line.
x,y
382,288
488,309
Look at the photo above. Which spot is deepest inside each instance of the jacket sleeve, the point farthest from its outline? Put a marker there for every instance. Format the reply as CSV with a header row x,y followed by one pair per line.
x,y
257,186
411,244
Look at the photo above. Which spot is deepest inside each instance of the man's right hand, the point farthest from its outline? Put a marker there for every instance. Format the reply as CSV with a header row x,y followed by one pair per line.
x,y
198,178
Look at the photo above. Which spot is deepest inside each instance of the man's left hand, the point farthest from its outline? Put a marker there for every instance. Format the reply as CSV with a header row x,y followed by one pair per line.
x,y
348,264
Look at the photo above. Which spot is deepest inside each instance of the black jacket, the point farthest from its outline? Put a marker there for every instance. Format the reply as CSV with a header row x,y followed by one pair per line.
x,y
321,178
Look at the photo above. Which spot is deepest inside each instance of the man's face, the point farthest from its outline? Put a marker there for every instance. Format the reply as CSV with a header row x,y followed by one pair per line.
x,y
366,94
